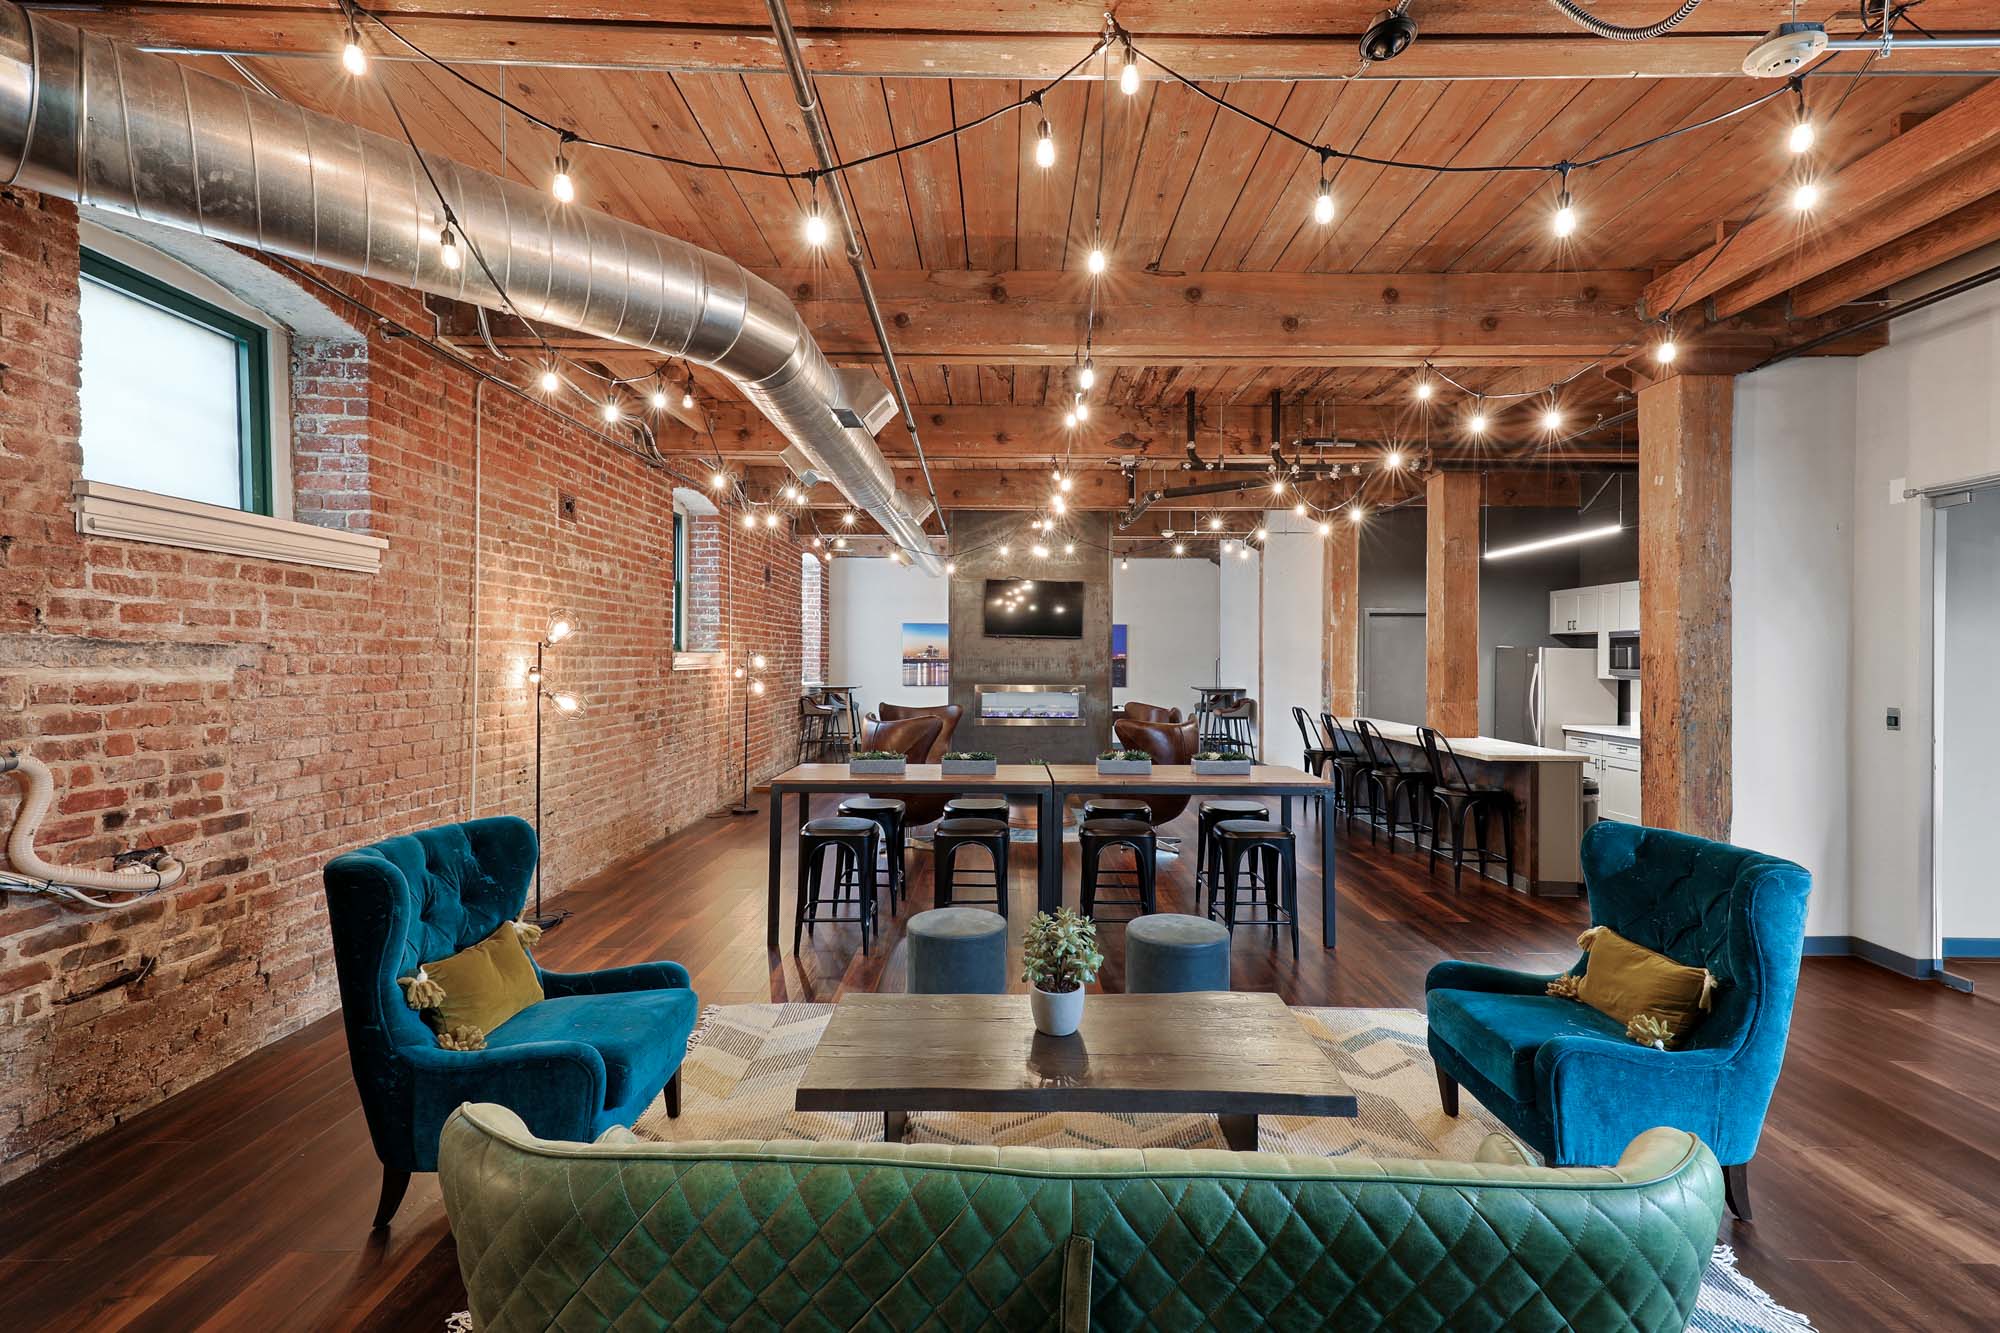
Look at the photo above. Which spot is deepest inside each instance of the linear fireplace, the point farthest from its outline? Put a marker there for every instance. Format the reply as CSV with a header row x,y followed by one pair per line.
x,y
1029,705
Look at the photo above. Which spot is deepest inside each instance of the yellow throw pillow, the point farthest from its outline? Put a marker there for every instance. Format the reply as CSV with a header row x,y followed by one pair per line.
x,y
474,991
1658,1000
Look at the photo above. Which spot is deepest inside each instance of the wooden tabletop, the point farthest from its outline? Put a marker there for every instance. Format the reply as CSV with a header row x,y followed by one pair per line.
x,y
1483,749
915,777
1221,1052
1261,777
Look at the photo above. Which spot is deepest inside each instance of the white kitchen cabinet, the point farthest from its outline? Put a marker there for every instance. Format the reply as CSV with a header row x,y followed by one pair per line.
x,y
1608,608
1628,608
1617,791
1563,605
1612,608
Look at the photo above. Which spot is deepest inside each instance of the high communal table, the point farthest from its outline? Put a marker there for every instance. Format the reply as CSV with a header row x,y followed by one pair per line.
x,y
809,780
1068,780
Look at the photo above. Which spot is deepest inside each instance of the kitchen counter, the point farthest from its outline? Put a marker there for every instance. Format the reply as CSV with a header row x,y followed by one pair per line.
x,y
1482,749
1546,791
1616,731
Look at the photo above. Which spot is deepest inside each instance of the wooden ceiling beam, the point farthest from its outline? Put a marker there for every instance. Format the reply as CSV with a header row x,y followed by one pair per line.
x,y
1908,255
1964,130
1212,41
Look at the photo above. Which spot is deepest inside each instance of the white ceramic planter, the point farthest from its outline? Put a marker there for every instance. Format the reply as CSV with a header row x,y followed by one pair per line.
x,y
1112,768
969,768
1057,1013
1222,768
880,768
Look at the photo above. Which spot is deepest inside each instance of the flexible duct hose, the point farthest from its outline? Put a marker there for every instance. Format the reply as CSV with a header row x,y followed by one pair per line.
x,y
39,791
1618,34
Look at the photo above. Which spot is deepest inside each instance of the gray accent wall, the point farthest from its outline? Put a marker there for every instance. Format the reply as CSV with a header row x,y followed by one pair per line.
x,y
979,660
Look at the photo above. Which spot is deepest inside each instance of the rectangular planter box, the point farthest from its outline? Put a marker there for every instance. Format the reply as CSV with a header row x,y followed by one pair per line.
x,y
1115,768
1222,768
969,768
877,768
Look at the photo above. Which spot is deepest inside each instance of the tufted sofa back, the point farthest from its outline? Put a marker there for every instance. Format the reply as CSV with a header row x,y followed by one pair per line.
x,y
874,1235
1738,913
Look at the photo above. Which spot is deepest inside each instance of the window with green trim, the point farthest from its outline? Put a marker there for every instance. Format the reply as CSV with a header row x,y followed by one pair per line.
x,y
176,391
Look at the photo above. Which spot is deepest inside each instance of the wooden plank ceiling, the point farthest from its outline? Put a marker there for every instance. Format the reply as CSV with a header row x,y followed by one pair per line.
x,y
1181,188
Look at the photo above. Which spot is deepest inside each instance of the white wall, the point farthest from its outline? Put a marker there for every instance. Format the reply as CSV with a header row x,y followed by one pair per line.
x,y
1238,619
1792,512
1168,608
1969,721
1293,567
1928,413
871,600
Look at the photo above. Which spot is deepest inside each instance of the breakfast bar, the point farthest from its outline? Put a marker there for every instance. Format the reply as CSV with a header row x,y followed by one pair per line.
x,y
1546,787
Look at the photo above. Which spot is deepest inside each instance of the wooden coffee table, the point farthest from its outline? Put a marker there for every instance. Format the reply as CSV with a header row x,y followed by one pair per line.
x,y
1233,1054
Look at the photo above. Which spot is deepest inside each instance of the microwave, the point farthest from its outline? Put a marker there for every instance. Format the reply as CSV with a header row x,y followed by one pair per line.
x,y
1625,656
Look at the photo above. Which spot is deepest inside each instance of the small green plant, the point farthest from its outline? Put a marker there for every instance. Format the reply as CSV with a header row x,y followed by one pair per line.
x,y
1222,756
1059,953
877,754
1133,755
979,755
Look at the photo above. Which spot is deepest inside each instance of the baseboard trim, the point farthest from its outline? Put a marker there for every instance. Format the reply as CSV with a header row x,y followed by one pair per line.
x,y
1971,946
1853,946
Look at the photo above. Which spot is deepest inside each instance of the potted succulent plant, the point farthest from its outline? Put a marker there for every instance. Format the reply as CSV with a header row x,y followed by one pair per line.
x,y
970,764
1059,958
877,763
1114,762
1221,764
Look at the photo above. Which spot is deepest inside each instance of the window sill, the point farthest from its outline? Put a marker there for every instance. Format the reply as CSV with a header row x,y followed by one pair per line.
x,y
697,661
103,510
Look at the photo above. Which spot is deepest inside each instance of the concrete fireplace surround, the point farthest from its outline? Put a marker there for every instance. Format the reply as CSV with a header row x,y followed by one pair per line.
x,y
978,660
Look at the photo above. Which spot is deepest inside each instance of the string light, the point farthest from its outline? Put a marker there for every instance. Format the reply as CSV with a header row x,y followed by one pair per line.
x,y
1476,423
718,480
815,227
657,400
1323,201
749,519
1299,509
560,185
1041,551
1069,419
1096,261
1125,563
847,519
840,544
448,249
1180,548
1564,221
1354,513
1552,419
1277,485
1069,548
1802,134
1260,534
950,567
551,381
1666,352
687,397
1128,74
1393,460
1215,523
1805,197
1325,528
1006,551
1064,484
1086,377
1425,389
771,519
1057,503
1045,145
612,413
352,58
792,494
1082,410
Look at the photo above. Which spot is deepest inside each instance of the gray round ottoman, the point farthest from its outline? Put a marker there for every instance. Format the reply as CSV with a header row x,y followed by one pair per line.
x,y
1165,951
958,951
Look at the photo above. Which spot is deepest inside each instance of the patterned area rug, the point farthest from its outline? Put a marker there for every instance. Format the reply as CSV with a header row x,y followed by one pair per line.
x,y
745,1060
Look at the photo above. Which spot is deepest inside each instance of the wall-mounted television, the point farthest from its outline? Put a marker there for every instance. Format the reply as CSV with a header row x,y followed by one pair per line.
x,y
1033,609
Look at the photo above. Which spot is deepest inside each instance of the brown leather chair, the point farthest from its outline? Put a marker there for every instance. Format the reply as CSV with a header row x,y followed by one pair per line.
x,y
948,714
1168,743
913,738
1138,712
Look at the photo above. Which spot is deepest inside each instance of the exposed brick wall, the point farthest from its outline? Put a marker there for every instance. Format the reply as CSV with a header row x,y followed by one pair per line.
x,y
259,717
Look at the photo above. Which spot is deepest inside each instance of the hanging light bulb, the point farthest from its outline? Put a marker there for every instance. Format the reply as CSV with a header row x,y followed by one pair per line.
x,y
1354,513
1082,410
1552,419
448,249
551,381
792,494
771,519
1180,548
1323,201
749,519
717,480
817,543
1424,390
1064,484
1476,423
1041,551
1124,563
1260,534
657,400
1666,352
1393,459
1805,197
1325,528
352,58
1277,485
560,185
1086,377
1128,73
1299,509
847,519
1095,261
1057,503
1801,138
1045,145
815,227
1069,419
1006,550
950,567
840,544
687,397
1215,522
1564,221
612,412
1069,548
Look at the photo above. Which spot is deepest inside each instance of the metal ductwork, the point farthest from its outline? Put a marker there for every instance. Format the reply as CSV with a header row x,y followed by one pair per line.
x,y
106,124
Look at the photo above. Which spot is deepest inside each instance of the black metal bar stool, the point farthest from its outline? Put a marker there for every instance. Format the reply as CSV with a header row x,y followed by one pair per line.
x,y
1318,752
1117,807
1235,841
890,814
855,844
1097,836
1455,796
1349,763
1396,783
976,807
815,723
948,836
1236,727
1205,816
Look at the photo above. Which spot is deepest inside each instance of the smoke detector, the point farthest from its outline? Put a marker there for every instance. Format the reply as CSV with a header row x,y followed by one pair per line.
x,y
1785,50
1388,37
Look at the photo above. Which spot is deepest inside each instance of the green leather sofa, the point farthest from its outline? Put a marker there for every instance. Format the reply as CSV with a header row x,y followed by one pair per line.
x,y
629,1235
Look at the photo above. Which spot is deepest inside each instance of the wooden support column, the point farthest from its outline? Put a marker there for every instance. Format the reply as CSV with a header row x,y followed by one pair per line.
x,y
1341,605
1684,609
1451,602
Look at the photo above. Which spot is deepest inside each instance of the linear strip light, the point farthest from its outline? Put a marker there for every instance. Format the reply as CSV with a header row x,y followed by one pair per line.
x,y
1568,538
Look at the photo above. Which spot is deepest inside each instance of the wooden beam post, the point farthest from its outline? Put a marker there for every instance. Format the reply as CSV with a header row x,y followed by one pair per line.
x,y
1451,602
1684,604
1341,607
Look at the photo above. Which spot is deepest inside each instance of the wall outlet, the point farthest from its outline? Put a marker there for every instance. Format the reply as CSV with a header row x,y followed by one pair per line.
x,y
1894,719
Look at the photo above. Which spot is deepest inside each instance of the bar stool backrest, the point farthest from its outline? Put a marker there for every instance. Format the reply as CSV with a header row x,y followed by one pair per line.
x,y
1438,752
1306,731
1372,743
1338,739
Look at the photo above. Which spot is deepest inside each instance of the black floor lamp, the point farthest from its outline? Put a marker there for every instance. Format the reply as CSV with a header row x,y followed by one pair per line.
x,y
561,626
752,684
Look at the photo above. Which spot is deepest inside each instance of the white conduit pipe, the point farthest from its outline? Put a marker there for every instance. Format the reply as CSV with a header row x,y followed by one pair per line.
x,y
29,872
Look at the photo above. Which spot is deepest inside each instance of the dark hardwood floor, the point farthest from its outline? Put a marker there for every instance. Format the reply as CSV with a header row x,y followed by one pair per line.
x,y
244,1202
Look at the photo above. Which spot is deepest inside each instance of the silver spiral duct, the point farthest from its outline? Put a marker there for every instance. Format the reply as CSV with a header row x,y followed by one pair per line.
x,y
106,124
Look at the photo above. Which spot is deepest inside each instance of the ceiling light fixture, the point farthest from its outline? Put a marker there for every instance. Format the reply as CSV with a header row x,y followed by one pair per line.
x,y
1666,352
551,381
1424,390
1805,198
1086,376
560,185
1095,261
352,58
448,249
1045,146
1128,73
1545,543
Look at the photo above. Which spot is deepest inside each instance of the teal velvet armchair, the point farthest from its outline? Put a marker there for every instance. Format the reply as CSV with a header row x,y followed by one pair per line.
x,y
1567,1079
594,1053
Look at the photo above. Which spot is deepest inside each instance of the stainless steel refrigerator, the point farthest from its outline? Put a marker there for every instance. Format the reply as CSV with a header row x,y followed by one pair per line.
x,y
1537,690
